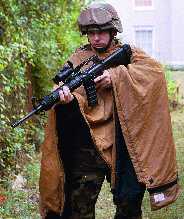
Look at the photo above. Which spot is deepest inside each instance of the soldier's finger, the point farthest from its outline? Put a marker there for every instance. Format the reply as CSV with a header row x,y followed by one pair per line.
x,y
67,94
98,79
61,95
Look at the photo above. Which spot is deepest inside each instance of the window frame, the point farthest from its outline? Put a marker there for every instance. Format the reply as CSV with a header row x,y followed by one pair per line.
x,y
145,28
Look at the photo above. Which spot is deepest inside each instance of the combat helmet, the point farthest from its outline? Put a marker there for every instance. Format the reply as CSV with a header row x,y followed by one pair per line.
x,y
99,16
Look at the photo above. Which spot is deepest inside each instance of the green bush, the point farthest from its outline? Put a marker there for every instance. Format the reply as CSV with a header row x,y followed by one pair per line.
x,y
172,88
35,39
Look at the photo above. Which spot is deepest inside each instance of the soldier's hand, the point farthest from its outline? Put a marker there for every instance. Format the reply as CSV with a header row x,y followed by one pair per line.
x,y
103,81
65,95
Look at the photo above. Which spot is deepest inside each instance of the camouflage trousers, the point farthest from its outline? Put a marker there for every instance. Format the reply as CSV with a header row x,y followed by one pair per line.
x,y
84,176
84,182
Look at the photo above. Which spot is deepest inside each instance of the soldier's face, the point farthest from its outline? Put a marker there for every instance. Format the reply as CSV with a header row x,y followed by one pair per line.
x,y
99,39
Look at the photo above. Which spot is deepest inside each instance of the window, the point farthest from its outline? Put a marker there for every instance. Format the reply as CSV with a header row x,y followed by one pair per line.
x,y
143,4
144,39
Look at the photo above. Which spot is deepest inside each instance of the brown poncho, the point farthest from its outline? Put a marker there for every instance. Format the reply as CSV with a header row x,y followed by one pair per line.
x,y
140,96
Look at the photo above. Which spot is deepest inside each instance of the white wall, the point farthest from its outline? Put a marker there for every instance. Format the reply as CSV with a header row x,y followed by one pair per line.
x,y
163,30
177,32
167,18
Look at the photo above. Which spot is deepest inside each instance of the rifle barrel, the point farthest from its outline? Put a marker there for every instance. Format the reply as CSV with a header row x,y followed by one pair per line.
x,y
15,124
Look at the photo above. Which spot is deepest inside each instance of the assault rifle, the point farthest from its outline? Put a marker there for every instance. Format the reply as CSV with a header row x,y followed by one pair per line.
x,y
75,77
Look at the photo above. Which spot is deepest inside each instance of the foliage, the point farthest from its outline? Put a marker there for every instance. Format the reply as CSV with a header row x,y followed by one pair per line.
x,y
172,88
35,39
170,81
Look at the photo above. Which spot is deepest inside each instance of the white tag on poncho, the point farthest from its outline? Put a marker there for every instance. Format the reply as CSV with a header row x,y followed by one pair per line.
x,y
159,197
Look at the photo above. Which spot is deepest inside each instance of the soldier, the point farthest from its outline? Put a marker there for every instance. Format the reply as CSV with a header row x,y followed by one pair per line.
x,y
125,138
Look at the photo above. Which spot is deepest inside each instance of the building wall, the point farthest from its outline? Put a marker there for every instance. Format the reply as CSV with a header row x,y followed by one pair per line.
x,y
163,30
166,20
177,32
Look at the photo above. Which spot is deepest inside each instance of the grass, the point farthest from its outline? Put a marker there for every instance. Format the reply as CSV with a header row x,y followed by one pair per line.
x,y
23,204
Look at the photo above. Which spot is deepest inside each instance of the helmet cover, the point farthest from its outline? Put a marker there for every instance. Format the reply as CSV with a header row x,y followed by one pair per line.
x,y
100,16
